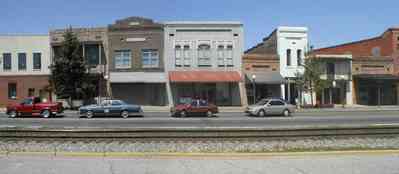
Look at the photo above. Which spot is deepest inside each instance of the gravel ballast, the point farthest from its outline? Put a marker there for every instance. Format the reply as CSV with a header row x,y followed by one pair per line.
x,y
199,146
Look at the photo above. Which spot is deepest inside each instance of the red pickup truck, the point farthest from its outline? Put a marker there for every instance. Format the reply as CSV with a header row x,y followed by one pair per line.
x,y
33,106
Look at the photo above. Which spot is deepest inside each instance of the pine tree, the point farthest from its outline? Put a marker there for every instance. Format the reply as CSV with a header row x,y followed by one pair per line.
x,y
69,70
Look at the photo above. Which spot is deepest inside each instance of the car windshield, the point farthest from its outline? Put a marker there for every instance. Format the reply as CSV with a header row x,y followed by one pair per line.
x,y
185,100
262,102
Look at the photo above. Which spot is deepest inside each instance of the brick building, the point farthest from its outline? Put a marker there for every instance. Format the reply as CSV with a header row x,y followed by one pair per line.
x,y
375,67
24,61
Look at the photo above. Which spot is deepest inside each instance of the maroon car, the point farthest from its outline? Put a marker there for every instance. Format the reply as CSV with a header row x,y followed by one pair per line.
x,y
33,106
195,107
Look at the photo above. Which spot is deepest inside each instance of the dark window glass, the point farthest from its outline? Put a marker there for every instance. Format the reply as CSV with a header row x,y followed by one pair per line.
x,y
31,92
289,57
21,61
92,54
330,68
277,103
299,57
12,90
116,103
7,61
37,61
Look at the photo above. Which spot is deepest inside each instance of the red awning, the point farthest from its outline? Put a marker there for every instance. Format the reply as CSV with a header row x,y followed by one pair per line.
x,y
204,76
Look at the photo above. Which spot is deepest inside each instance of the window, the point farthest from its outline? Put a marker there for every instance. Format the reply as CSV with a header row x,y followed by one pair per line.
x,y
7,61
187,56
116,103
229,55
178,56
92,54
31,92
289,57
276,103
27,101
21,61
150,58
123,59
376,51
37,61
12,91
299,57
204,55
221,56
330,69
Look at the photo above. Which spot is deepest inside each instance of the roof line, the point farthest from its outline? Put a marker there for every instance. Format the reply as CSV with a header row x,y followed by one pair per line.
x,y
349,43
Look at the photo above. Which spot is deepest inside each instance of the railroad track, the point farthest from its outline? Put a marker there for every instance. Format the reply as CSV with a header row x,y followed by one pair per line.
x,y
199,133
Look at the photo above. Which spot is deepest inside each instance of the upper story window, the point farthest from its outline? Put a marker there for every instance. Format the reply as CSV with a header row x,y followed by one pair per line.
x,y
299,57
288,57
229,55
150,58
21,61
187,55
220,56
330,68
204,55
123,59
7,61
178,56
376,51
92,54
37,61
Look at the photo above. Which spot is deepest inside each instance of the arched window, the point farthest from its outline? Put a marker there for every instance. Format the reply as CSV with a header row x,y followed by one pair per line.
x,y
299,57
220,56
187,55
204,55
288,57
229,55
178,56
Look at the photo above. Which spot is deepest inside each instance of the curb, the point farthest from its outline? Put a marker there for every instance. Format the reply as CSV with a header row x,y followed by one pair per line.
x,y
216,155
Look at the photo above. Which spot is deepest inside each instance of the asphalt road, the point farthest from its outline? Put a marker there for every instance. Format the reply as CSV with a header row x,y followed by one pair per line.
x,y
368,163
163,120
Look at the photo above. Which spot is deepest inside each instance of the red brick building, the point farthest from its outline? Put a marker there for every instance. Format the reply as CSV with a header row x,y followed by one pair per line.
x,y
375,67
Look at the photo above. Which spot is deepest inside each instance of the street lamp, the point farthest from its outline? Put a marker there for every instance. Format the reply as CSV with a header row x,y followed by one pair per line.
x,y
254,87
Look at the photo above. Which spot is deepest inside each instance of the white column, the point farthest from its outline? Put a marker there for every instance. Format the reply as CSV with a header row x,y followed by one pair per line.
x,y
282,86
243,91
349,98
169,94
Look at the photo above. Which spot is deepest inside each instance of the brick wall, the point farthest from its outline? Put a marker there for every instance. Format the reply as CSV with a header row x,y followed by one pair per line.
x,y
263,63
23,84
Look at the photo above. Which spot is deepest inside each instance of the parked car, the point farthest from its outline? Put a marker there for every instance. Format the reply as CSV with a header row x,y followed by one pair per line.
x,y
33,106
110,108
195,107
270,106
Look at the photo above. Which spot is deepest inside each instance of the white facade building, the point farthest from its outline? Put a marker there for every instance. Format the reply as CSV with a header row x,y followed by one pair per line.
x,y
292,44
203,59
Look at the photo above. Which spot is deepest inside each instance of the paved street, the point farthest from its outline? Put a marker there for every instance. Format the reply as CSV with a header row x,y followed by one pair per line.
x,y
157,120
353,163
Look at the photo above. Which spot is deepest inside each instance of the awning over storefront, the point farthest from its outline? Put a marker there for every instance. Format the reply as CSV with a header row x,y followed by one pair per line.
x,y
376,76
137,77
265,77
204,76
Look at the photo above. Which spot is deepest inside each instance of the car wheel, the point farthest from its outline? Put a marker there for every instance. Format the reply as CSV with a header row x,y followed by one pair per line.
x,y
286,113
209,114
12,114
261,113
125,114
45,114
183,114
89,114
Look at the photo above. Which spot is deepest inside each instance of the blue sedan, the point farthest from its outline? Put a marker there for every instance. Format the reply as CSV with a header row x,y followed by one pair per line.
x,y
110,108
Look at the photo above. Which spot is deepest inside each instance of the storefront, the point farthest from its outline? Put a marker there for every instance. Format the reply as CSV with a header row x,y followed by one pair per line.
x,y
142,88
376,89
218,87
261,85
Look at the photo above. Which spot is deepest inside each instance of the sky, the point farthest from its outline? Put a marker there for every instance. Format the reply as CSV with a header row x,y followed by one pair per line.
x,y
330,22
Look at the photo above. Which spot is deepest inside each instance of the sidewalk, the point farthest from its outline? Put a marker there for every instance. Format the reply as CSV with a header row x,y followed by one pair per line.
x,y
351,108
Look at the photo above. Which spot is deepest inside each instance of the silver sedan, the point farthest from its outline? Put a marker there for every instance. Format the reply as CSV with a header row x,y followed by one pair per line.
x,y
270,107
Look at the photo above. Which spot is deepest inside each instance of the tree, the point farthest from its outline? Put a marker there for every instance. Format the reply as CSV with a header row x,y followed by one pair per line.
x,y
69,70
310,80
